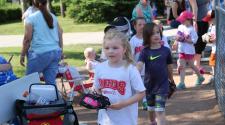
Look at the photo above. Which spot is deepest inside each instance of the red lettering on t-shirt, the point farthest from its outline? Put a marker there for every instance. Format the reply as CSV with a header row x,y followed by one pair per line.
x,y
138,49
113,84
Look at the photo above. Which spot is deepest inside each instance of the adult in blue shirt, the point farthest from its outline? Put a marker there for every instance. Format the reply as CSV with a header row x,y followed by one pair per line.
x,y
42,43
143,9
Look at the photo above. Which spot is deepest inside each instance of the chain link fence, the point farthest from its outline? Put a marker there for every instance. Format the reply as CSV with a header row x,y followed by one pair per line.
x,y
220,57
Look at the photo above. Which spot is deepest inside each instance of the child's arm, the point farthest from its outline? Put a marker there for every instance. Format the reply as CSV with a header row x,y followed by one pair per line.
x,y
170,72
137,97
89,67
5,67
174,46
141,60
136,85
170,66
139,65
192,37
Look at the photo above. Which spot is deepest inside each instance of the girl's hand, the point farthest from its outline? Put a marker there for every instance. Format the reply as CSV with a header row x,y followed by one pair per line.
x,y
212,38
174,46
117,106
188,39
22,60
179,38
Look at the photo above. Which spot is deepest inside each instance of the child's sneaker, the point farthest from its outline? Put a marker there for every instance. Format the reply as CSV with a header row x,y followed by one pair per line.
x,y
199,81
181,86
145,105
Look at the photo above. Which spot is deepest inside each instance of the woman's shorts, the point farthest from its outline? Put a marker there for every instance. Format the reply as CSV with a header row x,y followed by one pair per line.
x,y
202,29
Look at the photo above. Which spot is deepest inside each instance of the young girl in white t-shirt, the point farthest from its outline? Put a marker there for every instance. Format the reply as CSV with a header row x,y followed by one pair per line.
x,y
119,80
136,44
185,39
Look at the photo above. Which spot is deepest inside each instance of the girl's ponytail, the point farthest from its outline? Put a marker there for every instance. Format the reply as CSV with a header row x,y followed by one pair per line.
x,y
47,16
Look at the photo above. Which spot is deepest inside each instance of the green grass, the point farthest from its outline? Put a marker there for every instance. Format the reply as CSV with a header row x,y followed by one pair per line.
x,y
68,25
12,28
74,56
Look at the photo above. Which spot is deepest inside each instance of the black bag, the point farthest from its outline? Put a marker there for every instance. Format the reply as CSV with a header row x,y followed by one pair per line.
x,y
56,112
59,113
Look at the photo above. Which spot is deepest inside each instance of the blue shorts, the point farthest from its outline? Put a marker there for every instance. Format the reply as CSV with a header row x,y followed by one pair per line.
x,y
156,102
46,63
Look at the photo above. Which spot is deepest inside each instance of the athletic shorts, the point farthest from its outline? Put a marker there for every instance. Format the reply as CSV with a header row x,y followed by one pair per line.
x,y
202,29
186,56
156,102
212,59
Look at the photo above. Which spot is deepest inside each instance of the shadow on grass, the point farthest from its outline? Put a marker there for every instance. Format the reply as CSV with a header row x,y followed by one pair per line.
x,y
10,53
9,22
74,55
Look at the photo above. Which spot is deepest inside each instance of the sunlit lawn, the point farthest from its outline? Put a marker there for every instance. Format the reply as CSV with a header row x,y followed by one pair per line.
x,y
68,25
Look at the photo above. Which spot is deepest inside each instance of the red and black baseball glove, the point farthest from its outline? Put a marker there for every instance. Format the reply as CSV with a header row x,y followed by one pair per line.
x,y
94,101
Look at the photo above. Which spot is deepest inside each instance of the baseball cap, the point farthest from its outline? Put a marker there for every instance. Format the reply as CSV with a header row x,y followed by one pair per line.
x,y
210,15
121,24
184,16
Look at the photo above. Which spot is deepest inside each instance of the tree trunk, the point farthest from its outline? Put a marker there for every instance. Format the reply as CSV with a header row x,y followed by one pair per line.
x,y
62,8
49,5
23,5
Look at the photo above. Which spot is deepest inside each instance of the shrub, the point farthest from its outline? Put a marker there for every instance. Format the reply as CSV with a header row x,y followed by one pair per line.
x,y
10,14
96,11
56,9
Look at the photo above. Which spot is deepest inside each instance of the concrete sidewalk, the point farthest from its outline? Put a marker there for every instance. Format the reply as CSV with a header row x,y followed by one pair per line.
x,y
68,38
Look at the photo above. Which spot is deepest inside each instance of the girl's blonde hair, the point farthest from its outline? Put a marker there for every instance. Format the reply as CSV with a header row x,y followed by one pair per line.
x,y
112,34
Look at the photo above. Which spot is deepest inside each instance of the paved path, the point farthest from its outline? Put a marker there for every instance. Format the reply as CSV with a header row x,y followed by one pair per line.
x,y
192,106
68,38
